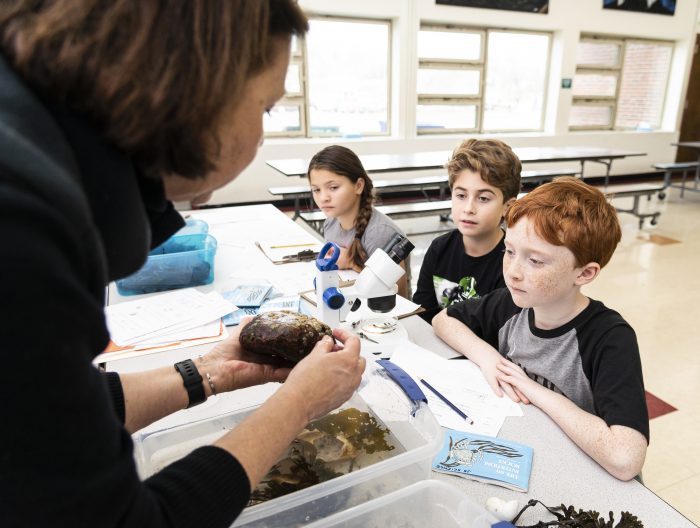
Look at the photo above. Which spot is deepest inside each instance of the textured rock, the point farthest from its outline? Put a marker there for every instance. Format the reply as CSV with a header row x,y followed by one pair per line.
x,y
285,334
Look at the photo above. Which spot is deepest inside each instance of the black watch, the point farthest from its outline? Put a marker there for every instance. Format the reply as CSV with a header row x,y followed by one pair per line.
x,y
192,380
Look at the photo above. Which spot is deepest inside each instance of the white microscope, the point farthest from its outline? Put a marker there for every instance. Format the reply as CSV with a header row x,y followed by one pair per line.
x,y
376,283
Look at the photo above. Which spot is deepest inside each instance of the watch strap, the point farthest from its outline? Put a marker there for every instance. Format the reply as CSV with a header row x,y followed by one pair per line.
x,y
192,380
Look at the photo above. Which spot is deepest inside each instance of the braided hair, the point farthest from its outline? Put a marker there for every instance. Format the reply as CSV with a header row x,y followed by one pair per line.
x,y
343,161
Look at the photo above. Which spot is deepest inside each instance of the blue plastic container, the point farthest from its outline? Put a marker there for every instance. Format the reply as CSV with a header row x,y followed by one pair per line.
x,y
181,261
193,226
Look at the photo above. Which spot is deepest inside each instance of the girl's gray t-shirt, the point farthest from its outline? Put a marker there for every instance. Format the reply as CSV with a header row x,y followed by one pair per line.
x,y
379,232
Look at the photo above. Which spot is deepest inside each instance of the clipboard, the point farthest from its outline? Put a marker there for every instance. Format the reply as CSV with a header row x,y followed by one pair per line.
x,y
293,251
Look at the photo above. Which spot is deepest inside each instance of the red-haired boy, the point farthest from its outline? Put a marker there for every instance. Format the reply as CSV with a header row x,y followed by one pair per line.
x,y
542,341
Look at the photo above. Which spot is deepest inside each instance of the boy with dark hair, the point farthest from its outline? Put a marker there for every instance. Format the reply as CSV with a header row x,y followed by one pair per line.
x,y
484,177
542,341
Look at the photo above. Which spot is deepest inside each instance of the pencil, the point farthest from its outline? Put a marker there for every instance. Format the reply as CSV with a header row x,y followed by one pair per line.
x,y
447,402
307,244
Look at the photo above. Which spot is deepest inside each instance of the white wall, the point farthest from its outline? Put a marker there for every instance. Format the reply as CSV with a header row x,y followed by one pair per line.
x,y
567,19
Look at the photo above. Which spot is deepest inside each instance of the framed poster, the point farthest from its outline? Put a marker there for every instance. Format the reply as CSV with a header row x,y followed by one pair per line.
x,y
661,7
529,6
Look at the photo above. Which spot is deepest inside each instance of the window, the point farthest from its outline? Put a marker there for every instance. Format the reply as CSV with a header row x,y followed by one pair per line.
x,y
619,84
337,83
288,117
472,80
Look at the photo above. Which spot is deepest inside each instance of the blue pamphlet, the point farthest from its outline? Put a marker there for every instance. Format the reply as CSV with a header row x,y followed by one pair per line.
x,y
271,304
248,295
485,458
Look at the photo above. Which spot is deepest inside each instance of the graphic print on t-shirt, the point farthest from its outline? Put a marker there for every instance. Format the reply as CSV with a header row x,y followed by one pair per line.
x,y
539,379
448,292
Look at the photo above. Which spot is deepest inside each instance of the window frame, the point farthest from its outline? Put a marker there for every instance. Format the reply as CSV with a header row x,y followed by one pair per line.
x,y
300,56
480,64
295,99
578,100
456,101
547,70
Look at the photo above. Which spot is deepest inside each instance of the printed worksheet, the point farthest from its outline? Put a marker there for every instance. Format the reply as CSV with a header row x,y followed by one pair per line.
x,y
151,317
462,384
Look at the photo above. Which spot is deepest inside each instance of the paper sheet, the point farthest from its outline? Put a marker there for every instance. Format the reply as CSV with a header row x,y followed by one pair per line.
x,y
463,384
153,317
116,353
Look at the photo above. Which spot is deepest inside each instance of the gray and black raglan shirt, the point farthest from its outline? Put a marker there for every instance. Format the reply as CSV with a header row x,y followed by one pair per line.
x,y
593,359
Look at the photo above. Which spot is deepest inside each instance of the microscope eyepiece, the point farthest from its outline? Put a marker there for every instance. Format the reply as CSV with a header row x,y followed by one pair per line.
x,y
398,248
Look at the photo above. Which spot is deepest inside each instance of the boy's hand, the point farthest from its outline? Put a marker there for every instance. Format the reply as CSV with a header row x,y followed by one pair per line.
x,y
525,387
491,373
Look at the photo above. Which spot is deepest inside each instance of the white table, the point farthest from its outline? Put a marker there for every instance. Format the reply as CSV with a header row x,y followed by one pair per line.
x,y
236,230
377,163
561,472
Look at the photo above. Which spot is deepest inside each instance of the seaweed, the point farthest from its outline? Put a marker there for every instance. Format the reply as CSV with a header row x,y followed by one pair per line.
x,y
359,428
302,467
570,517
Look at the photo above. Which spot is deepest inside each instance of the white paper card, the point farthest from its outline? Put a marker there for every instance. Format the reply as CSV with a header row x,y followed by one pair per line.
x,y
463,384
167,313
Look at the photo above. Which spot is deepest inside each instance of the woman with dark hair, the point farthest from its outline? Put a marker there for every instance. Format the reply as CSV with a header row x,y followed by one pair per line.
x,y
342,189
110,109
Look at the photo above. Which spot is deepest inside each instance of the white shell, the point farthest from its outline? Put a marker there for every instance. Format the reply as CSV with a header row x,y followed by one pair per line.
x,y
501,509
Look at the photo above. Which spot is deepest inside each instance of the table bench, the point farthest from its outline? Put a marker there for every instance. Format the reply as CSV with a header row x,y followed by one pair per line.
x,y
636,191
413,161
400,210
683,167
422,183
539,177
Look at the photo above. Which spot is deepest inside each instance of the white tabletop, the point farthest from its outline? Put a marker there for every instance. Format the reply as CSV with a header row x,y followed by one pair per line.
x,y
561,472
375,163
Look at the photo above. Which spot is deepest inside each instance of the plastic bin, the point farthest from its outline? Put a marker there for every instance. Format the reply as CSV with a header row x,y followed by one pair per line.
x,y
181,261
417,432
193,226
425,503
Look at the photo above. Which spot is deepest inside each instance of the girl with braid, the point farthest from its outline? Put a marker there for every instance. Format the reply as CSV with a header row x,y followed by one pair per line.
x,y
343,191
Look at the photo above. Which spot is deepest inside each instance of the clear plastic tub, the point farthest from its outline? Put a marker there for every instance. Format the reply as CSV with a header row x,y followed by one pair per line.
x,y
415,430
425,503
181,261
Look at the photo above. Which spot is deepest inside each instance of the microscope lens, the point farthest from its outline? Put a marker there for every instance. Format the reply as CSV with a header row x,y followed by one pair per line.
x,y
382,304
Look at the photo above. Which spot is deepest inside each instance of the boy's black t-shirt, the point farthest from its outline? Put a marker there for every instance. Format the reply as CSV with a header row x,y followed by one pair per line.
x,y
593,359
448,275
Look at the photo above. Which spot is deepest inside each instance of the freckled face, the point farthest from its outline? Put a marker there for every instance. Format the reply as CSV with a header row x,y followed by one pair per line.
x,y
537,273
477,206
335,194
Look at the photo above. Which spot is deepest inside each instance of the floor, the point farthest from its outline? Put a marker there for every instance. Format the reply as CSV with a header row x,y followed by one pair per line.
x,y
650,281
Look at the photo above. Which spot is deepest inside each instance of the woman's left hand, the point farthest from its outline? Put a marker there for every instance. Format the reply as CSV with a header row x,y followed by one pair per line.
x,y
231,367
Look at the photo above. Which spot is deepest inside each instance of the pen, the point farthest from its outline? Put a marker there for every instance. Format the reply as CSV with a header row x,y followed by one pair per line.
x,y
448,402
307,244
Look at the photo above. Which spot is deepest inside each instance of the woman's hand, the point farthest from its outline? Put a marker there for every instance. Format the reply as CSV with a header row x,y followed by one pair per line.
x,y
231,367
327,377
